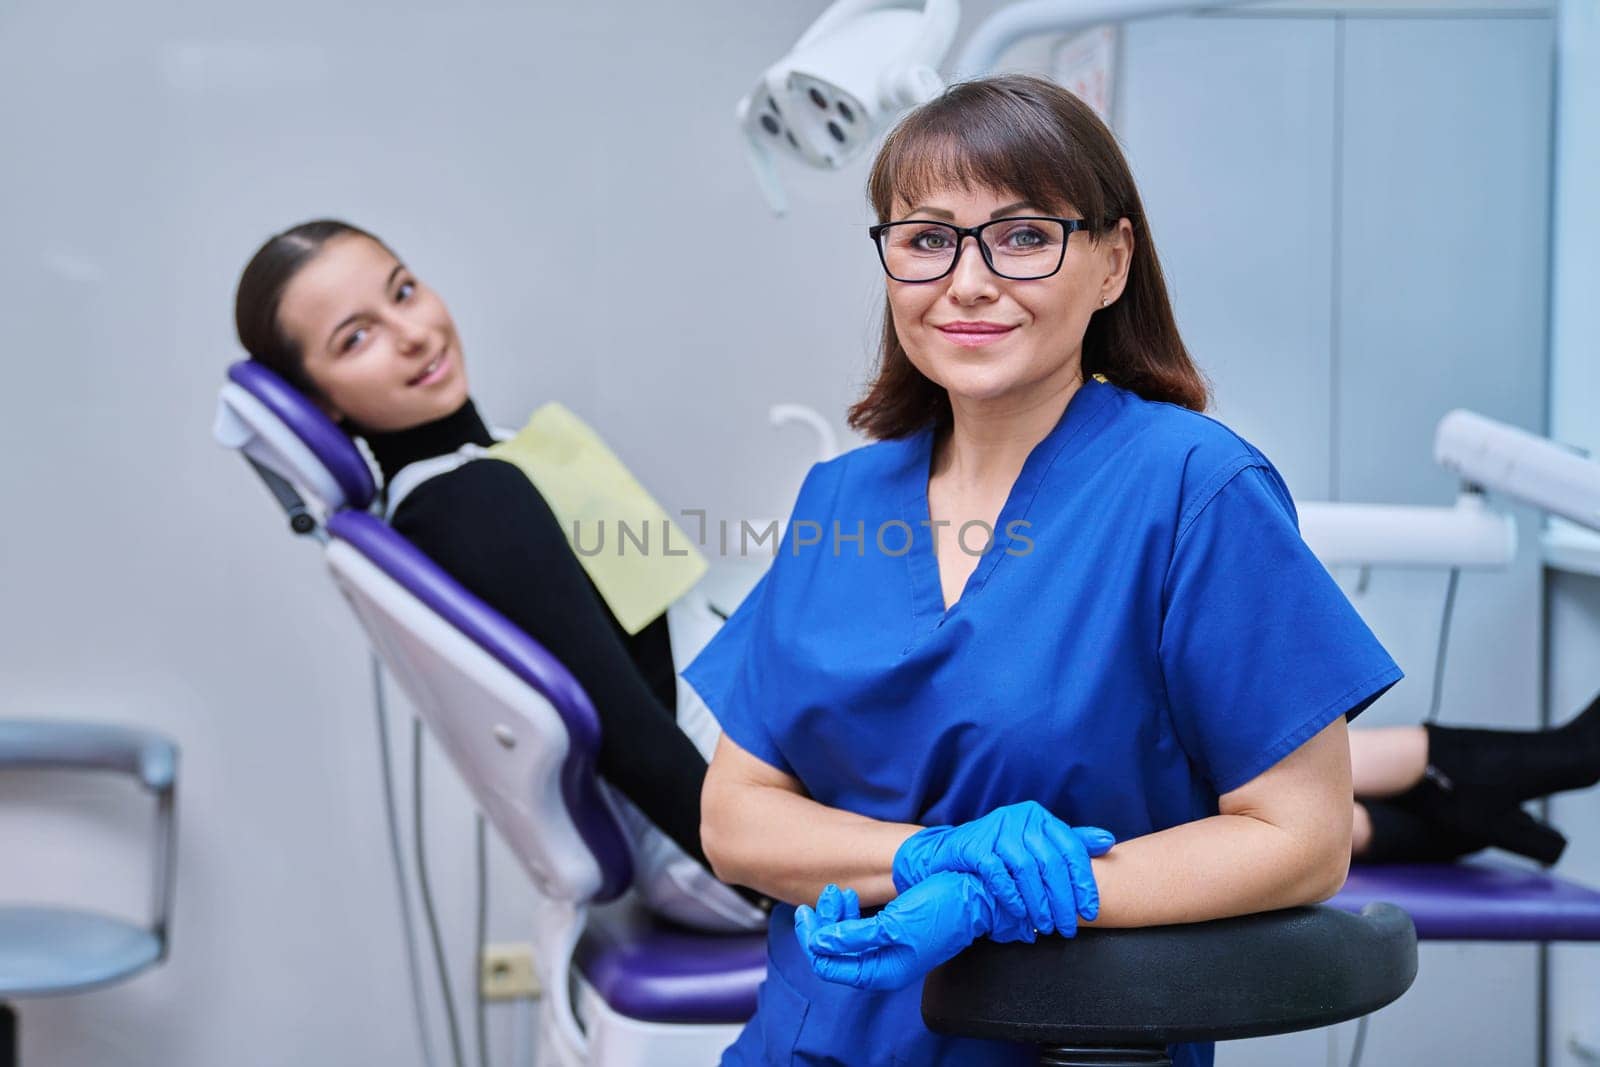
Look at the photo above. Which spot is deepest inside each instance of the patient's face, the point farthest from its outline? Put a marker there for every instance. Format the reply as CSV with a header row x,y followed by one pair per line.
x,y
378,344
1043,320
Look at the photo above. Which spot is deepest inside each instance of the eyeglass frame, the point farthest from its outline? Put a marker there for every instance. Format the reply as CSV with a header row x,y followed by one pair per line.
x,y
1069,226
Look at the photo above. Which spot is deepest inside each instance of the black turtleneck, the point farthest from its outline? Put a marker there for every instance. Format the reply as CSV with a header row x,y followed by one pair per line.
x,y
487,526
402,448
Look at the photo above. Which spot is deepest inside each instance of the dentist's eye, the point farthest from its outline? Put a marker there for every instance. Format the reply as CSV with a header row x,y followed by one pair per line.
x,y
1025,237
930,241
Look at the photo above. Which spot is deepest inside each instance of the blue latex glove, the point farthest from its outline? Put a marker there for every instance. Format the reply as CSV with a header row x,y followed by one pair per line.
x,y
914,933
1035,866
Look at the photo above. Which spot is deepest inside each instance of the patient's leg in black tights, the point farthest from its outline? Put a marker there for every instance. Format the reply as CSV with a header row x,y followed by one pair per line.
x,y
1401,835
489,528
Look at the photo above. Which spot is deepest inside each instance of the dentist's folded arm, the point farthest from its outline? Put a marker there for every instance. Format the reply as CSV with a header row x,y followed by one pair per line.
x,y
1279,840
760,830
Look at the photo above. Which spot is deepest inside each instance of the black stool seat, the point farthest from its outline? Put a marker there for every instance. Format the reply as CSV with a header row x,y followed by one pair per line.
x,y
1128,990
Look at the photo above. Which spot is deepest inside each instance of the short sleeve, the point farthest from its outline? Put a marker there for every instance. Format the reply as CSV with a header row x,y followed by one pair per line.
x,y
727,674
1260,648
735,672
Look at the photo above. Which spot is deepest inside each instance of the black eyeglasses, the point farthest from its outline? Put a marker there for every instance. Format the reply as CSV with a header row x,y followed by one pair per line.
x,y
1022,248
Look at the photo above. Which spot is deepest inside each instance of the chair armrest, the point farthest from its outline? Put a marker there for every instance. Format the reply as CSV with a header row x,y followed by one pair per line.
x,y
89,746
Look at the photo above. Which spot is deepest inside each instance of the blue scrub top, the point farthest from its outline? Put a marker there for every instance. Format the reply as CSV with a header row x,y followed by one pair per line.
x,y
1147,631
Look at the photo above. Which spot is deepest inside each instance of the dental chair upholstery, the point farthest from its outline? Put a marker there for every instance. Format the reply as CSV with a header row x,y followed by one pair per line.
x,y
622,988
1479,900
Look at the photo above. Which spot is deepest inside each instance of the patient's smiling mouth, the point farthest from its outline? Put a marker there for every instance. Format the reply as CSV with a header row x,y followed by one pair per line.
x,y
434,371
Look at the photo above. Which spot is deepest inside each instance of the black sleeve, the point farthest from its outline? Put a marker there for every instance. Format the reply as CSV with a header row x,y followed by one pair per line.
x,y
487,526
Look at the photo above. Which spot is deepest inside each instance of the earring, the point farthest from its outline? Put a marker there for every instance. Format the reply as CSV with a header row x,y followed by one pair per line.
x,y
1105,300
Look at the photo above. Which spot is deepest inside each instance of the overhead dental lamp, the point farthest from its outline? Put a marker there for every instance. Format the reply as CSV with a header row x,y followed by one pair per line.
x,y
859,65
864,62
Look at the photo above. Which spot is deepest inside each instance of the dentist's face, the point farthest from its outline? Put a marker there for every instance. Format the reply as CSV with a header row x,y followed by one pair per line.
x,y
985,338
379,345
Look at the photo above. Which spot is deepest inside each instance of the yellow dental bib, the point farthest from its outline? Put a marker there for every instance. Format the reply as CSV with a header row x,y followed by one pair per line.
x,y
633,552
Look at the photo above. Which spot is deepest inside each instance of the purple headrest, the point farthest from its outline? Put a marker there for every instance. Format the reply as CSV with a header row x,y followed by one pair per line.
x,y
331,446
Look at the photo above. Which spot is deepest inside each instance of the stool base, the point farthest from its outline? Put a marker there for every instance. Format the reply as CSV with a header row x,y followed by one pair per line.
x,y
1143,1056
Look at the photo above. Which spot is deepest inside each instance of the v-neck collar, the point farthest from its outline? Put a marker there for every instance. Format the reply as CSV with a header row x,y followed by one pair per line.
x,y
927,594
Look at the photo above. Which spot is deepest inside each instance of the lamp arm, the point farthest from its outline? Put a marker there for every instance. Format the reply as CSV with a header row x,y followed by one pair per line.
x,y
1509,460
1029,18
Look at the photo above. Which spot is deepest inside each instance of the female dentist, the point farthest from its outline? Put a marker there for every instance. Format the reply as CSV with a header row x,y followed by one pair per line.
x,y
1051,603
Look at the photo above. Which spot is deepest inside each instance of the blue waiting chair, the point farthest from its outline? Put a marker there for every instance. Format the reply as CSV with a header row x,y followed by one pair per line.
x,y
51,951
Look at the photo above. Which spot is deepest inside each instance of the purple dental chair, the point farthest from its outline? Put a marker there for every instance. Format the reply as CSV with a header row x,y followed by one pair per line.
x,y
622,989
1479,900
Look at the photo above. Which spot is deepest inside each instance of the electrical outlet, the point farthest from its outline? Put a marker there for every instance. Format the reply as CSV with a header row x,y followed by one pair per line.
x,y
508,972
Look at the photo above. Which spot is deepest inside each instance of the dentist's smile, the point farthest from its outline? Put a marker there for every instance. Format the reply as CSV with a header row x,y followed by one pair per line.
x,y
974,334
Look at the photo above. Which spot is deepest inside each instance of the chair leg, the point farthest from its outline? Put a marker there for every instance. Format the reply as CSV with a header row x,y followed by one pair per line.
x,y
8,1036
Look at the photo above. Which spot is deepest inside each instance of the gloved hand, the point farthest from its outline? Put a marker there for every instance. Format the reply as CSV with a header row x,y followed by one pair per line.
x,y
1033,865
914,933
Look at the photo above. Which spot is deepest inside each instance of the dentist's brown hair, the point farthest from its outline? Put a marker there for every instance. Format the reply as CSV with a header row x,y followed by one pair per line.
x,y
1032,138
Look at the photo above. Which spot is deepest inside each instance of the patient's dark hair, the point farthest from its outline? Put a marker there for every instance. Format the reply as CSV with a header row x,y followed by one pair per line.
x,y
261,286
1030,137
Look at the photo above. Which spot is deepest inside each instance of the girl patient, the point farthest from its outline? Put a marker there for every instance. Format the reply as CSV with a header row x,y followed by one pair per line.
x,y
331,309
